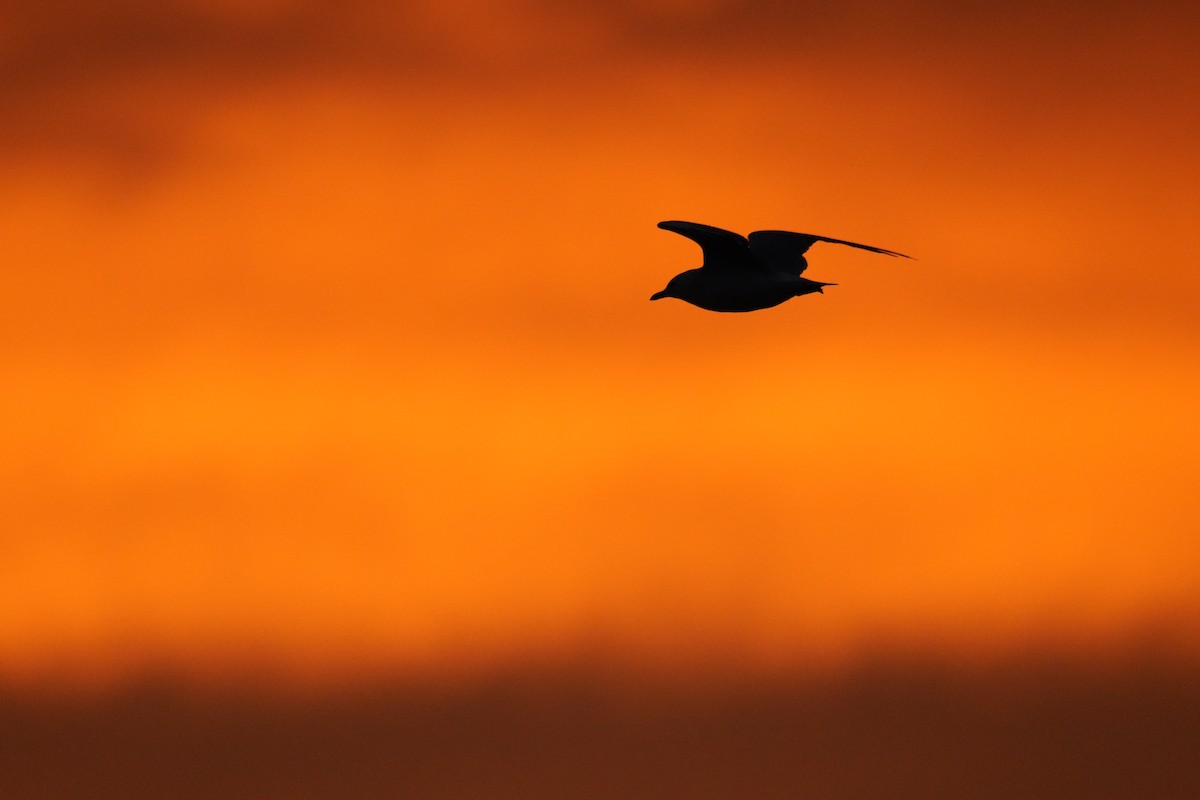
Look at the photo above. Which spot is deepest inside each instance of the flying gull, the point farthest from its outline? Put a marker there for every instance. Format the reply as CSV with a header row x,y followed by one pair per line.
x,y
742,273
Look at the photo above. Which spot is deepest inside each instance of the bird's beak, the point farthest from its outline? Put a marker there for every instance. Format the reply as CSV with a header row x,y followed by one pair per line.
x,y
659,295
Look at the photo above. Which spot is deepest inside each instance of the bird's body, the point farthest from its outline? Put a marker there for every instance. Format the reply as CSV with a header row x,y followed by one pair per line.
x,y
747,274
725,290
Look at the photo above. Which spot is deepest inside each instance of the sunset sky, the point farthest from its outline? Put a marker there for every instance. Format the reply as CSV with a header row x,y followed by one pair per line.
x,y
327,348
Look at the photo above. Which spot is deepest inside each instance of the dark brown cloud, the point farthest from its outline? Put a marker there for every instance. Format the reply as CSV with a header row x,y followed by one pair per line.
x,y
124,80
60,43
1035,730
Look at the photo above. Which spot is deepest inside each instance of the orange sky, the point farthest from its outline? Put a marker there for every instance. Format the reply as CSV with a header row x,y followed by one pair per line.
x,y
327,345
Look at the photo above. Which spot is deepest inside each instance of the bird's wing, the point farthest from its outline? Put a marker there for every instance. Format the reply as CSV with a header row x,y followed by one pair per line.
x,y
783,250
722,249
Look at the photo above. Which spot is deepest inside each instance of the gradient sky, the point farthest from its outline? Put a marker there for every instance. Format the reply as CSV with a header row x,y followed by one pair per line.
x,y
327,350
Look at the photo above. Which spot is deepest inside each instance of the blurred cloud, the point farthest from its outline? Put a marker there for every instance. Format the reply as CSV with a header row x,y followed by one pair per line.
x,y
103,76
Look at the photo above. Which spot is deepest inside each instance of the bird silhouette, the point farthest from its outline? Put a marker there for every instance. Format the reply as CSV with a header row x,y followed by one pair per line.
x,y
747,273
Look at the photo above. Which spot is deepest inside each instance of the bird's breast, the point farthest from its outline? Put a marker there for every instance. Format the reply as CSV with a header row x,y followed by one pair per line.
x,y
732,291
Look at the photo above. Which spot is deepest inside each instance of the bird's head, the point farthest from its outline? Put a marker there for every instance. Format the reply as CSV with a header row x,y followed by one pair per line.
x,y
675,286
